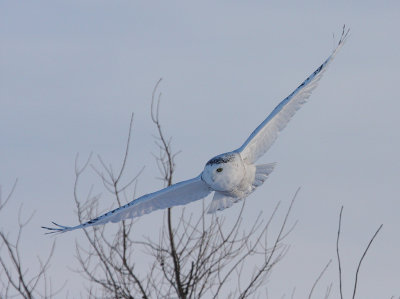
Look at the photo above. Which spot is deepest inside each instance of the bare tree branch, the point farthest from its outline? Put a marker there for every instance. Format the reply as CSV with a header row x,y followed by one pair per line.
x,y
362,258
318,278
338,254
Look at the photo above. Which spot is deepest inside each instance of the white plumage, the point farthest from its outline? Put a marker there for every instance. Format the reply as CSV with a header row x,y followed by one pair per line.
x,y
231,176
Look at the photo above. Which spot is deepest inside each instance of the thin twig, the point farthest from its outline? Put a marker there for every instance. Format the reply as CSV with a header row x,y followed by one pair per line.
x,y
318,279
361,260
338,254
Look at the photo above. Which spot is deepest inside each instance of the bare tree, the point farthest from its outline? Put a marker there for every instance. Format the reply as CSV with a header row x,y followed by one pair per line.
x,y
16,280
194,256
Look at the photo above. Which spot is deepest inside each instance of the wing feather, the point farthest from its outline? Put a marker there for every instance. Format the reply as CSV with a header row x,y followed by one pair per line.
x,y
266,133
175,195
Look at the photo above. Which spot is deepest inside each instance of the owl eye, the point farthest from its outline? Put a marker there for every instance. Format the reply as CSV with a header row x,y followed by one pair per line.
x,y
219,169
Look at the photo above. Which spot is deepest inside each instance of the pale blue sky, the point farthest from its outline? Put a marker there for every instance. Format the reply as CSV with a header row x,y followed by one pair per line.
x,y
71,72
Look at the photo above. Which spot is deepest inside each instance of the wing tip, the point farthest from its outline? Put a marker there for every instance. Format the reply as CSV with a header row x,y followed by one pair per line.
x,y
345,34
57,229
343,38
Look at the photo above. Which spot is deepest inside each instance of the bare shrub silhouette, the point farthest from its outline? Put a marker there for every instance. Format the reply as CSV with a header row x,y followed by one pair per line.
x,y
17,280
194,255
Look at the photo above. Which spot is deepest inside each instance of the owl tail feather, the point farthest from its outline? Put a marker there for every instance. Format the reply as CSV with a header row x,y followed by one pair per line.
x,y
262,173
221,202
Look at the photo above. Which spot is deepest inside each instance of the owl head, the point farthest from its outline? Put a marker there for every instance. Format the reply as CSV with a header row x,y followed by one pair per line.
x,y
224,172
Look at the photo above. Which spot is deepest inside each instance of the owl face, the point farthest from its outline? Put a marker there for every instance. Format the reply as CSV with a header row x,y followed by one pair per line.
x,y
224,172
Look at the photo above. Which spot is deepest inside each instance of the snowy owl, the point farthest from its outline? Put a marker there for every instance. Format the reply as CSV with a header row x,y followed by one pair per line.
x,y
231,176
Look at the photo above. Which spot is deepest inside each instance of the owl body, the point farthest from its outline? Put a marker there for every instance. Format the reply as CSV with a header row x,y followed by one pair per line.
x,y
230,175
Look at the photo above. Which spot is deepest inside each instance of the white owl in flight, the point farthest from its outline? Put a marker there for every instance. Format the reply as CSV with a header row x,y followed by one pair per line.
x,y
231,176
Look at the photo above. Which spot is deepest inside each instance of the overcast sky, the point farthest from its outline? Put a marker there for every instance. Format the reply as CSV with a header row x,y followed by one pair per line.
x,y
71,73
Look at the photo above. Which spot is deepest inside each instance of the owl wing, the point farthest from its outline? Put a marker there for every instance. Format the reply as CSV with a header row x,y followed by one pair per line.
x,y
178,194
266,133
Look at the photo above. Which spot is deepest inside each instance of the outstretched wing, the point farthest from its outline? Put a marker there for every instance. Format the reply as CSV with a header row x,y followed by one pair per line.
x,y
266,133
178,194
